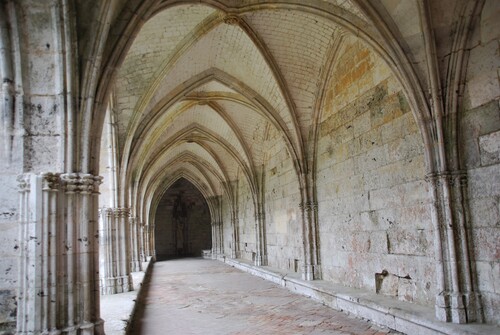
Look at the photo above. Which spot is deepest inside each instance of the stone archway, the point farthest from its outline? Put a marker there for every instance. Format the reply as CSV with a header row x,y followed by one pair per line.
x,y
183,222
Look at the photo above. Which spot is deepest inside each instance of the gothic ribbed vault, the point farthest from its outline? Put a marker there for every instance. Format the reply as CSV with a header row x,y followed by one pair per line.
x,y
345,142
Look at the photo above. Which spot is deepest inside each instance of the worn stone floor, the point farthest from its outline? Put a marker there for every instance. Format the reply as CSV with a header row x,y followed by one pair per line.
x,y
199,296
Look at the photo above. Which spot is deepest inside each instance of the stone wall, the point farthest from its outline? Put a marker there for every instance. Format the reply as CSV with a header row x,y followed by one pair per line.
x,y
281,201
480,128
374,207
246,210
227,229
9,248
374,213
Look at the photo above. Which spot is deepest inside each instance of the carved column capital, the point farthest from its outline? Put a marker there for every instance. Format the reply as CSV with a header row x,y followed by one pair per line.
x,y
97,182
121,212
84,183
50,181
458,178
24,183
309,206
106,211
312,206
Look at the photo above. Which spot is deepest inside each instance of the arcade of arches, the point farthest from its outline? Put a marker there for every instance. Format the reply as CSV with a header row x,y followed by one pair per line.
x,y
353,142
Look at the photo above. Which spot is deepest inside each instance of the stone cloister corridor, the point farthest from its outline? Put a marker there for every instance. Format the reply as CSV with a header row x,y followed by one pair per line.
x,y
196,296
348,150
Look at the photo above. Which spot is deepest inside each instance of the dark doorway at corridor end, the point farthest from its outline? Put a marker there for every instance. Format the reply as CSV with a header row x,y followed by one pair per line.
x,y
182,222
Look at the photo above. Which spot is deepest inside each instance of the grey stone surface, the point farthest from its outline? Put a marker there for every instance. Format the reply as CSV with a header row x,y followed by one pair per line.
x,y
197,296
343,141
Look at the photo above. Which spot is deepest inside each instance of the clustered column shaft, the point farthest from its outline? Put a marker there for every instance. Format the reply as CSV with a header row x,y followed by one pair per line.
x,y
456,299
58,249
114,270
134,245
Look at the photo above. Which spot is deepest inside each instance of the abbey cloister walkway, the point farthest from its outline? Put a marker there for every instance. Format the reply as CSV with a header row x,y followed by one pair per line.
x,y
201,296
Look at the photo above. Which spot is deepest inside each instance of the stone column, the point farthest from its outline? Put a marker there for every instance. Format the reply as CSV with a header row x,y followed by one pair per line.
x,y
310,270
58,277
114,262
147,245
219,228
233,196
213,224
221,237
142,242
260,219
235,250
150,229
106,250
121,215
135,261
456,300
261,254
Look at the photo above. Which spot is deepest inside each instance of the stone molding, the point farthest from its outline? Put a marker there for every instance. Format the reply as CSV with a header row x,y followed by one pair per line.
x,y
24,183
309,206
232,19
83,183
50,181
453,178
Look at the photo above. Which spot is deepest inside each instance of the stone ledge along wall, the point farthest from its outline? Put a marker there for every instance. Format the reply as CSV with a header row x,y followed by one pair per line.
x,y
374,210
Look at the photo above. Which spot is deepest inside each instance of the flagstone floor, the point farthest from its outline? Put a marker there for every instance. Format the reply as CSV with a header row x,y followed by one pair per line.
x,y
200,296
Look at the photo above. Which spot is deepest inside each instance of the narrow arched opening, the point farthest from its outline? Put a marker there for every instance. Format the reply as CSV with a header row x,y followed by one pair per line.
x,y
182,222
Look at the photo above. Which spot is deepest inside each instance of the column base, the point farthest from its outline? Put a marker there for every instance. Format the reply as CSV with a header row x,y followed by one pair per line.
x,y
311,272
86,328
474,307
114,285
136,266
456,307
442,307
308,272
214,255
260,260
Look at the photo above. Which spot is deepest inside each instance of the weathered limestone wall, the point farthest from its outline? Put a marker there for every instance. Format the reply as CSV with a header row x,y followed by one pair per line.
x,y
282,200
31,119
8,248
480,126
192,209
227,229
374,213
246,211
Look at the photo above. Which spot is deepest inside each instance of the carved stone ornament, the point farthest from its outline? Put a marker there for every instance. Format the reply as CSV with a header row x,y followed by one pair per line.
x,y
122,212
232,20
453,178
84,183
24,183
50,181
